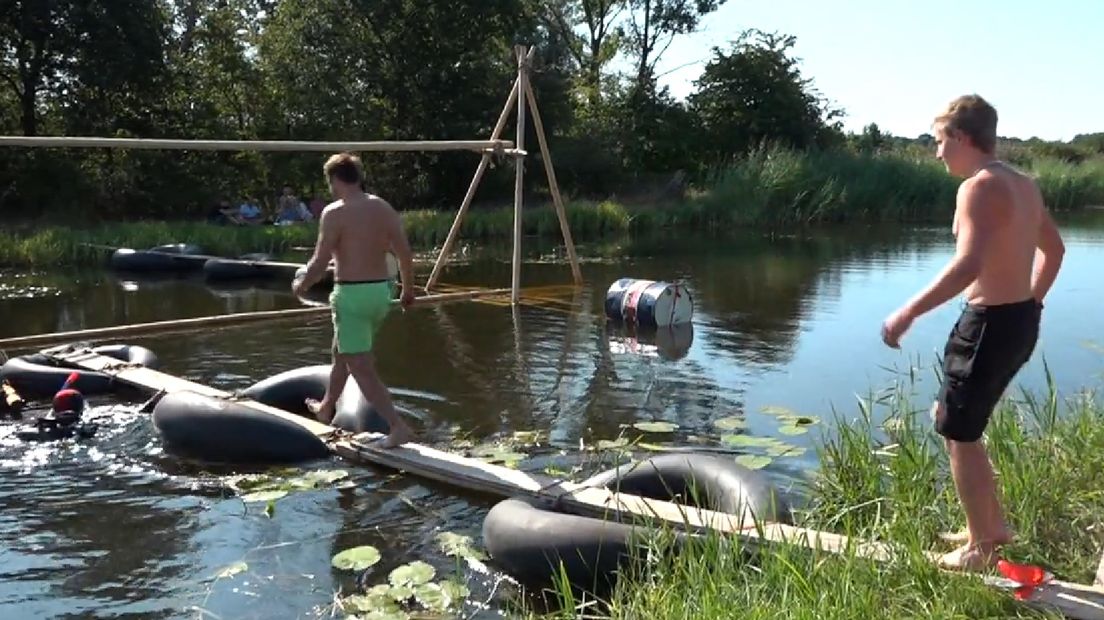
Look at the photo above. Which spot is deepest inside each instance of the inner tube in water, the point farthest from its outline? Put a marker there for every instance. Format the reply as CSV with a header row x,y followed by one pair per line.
x,y
289,391
529,538
211,429
171,257
35,376
244,267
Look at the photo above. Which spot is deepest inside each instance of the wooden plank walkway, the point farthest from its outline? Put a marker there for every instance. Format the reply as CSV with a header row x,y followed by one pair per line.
x,y
1073,600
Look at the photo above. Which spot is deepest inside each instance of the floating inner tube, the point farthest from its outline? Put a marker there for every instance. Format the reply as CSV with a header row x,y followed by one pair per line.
x,y
35,376
224,431
244,267
289,391
171,257
529,539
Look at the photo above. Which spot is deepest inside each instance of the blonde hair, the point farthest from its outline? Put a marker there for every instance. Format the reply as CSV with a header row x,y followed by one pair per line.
x,y
974,117
346,167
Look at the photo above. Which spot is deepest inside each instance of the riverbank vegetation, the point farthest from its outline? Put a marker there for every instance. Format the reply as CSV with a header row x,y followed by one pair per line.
x,y
883,476
252,69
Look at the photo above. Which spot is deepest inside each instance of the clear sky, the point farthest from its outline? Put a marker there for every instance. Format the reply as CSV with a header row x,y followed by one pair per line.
x,y
896,62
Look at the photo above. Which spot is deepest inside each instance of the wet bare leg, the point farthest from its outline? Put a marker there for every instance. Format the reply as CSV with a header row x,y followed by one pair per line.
x,y
325,409
976,487
363,369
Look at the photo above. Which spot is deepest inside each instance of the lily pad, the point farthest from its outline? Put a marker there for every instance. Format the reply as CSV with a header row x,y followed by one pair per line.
x,y
432,597
456,591
784,449
656,427
731,423
233,569
400,593
747,441
458,545
804,420
612,444
792,430
752,461
264,496
323,478
357,558
498,454
781,412
373,601
413,574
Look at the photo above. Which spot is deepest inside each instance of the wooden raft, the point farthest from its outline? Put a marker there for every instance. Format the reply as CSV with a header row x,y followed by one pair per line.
x,y
1073,600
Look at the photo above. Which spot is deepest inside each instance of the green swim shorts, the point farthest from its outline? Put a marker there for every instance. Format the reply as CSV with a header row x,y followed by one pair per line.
x,y
358,310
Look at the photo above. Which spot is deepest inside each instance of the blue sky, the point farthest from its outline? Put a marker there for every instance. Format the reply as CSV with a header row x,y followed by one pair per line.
x,y
896,62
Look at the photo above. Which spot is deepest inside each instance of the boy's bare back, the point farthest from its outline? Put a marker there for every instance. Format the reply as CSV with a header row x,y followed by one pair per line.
x,y
1013,212
364,229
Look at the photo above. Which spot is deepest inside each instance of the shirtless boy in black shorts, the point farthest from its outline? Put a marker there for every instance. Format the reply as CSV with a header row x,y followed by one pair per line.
x,y
1007,255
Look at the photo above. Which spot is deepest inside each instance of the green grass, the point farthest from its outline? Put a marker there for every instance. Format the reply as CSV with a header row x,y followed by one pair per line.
x,y
771,188
884,477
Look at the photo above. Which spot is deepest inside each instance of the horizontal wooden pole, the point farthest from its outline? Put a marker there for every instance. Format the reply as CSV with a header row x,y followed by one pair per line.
x,y
254,145
221,320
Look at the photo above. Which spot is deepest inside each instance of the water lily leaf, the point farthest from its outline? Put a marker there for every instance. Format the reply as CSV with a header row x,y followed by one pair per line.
x,y
456,591
527,438
498,454
357,558
752,461
611,444
400,593
656,427
384,614
322,478
458,545
413,574
731,423
264,496
781,412
792,430
432,597
783,449
804,420
747,441
373,601
233,569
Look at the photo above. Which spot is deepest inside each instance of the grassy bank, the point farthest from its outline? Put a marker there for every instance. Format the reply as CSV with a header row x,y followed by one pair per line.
x,y
884,477
770,189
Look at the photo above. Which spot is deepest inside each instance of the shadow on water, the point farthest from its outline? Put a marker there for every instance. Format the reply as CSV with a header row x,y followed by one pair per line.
x,y
118,528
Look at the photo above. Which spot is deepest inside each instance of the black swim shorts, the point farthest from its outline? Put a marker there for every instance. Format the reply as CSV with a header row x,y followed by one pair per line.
x,y
986,348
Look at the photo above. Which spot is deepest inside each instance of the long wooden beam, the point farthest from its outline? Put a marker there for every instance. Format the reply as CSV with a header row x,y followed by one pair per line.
x,y
221,320
254,145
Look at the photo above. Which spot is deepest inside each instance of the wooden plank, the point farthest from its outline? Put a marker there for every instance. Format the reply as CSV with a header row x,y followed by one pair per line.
x,y
221,320
253,145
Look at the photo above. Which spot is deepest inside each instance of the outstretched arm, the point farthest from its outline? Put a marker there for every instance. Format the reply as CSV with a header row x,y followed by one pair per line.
x,y
977,220
323,251
1048,258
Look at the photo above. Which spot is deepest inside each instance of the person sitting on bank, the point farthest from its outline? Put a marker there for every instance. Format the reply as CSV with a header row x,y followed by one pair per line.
x,y
291,209
249,212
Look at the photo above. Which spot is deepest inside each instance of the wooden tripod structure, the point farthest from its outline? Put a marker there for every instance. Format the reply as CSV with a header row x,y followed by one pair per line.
x,y
521,93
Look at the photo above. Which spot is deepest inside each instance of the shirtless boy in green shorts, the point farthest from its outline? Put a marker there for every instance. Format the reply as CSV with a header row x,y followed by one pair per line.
x,y
357,231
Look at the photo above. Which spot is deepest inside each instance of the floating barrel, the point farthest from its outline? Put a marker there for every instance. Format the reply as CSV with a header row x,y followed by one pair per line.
x,y
649,303
225,431
170,257
530,538
35,376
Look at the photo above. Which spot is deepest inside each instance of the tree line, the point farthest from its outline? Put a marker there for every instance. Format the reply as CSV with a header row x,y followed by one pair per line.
x,y
374,70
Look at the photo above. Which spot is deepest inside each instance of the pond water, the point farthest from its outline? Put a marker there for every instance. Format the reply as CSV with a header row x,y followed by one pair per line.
x,y
116,527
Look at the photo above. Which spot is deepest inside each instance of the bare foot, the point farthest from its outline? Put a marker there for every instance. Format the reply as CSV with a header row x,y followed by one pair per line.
x,y
970,558
324,415
398,437
963,536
